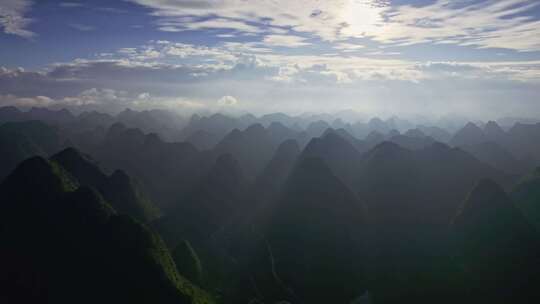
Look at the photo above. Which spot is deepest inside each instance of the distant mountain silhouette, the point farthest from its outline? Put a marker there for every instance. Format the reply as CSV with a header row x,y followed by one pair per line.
x,y
280,133
254,146
317,128
269,183
524,142
12,114
495,133
202,139
358,144
374,138
215,127
377,124
281,118
21,140
496,156
94,119
167,124
413,140
392,133
147,207
167,171
340,155
416,133
47,115
437,133
469,135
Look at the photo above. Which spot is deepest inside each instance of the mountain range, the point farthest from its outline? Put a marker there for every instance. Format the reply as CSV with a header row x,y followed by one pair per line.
x,y
154,207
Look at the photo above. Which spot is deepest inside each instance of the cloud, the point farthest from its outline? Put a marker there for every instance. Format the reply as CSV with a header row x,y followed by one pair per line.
x,y
37,101
12,17
108,100
506,24
325,19
227,101
167,68
285,41
347,47
177,75
485,24
173,25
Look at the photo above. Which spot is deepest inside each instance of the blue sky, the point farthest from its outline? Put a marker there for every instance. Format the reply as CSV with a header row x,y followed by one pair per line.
x,y
478,58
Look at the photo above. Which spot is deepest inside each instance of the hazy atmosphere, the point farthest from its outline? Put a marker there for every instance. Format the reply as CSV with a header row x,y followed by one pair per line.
x,y
477,58
270,151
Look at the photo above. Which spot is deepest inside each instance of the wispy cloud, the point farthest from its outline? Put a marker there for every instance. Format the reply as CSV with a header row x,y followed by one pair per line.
x,y
12,17
285,41
484,24
479,24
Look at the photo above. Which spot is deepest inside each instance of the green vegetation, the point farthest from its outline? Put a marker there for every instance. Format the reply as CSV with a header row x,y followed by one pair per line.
x,y
81,249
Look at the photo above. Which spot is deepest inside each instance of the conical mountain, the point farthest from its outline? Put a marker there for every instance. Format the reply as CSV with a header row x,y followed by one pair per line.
x,y
215,127
357,143
50,225
471,134
340,155
253,147
81,166
118,189
393,175
126,197
411,197
377,124
313,245
495,133
488,207
280,133
384,182
166,171
316,128
47,180
524,141
374,138
497,247
268,185
216,200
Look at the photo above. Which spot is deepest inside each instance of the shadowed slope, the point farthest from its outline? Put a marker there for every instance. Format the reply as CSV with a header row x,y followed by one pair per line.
x,y
118,189
497,247
313,247
50,225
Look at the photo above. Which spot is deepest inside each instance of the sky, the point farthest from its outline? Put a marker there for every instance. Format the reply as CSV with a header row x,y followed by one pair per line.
x,y
474,58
